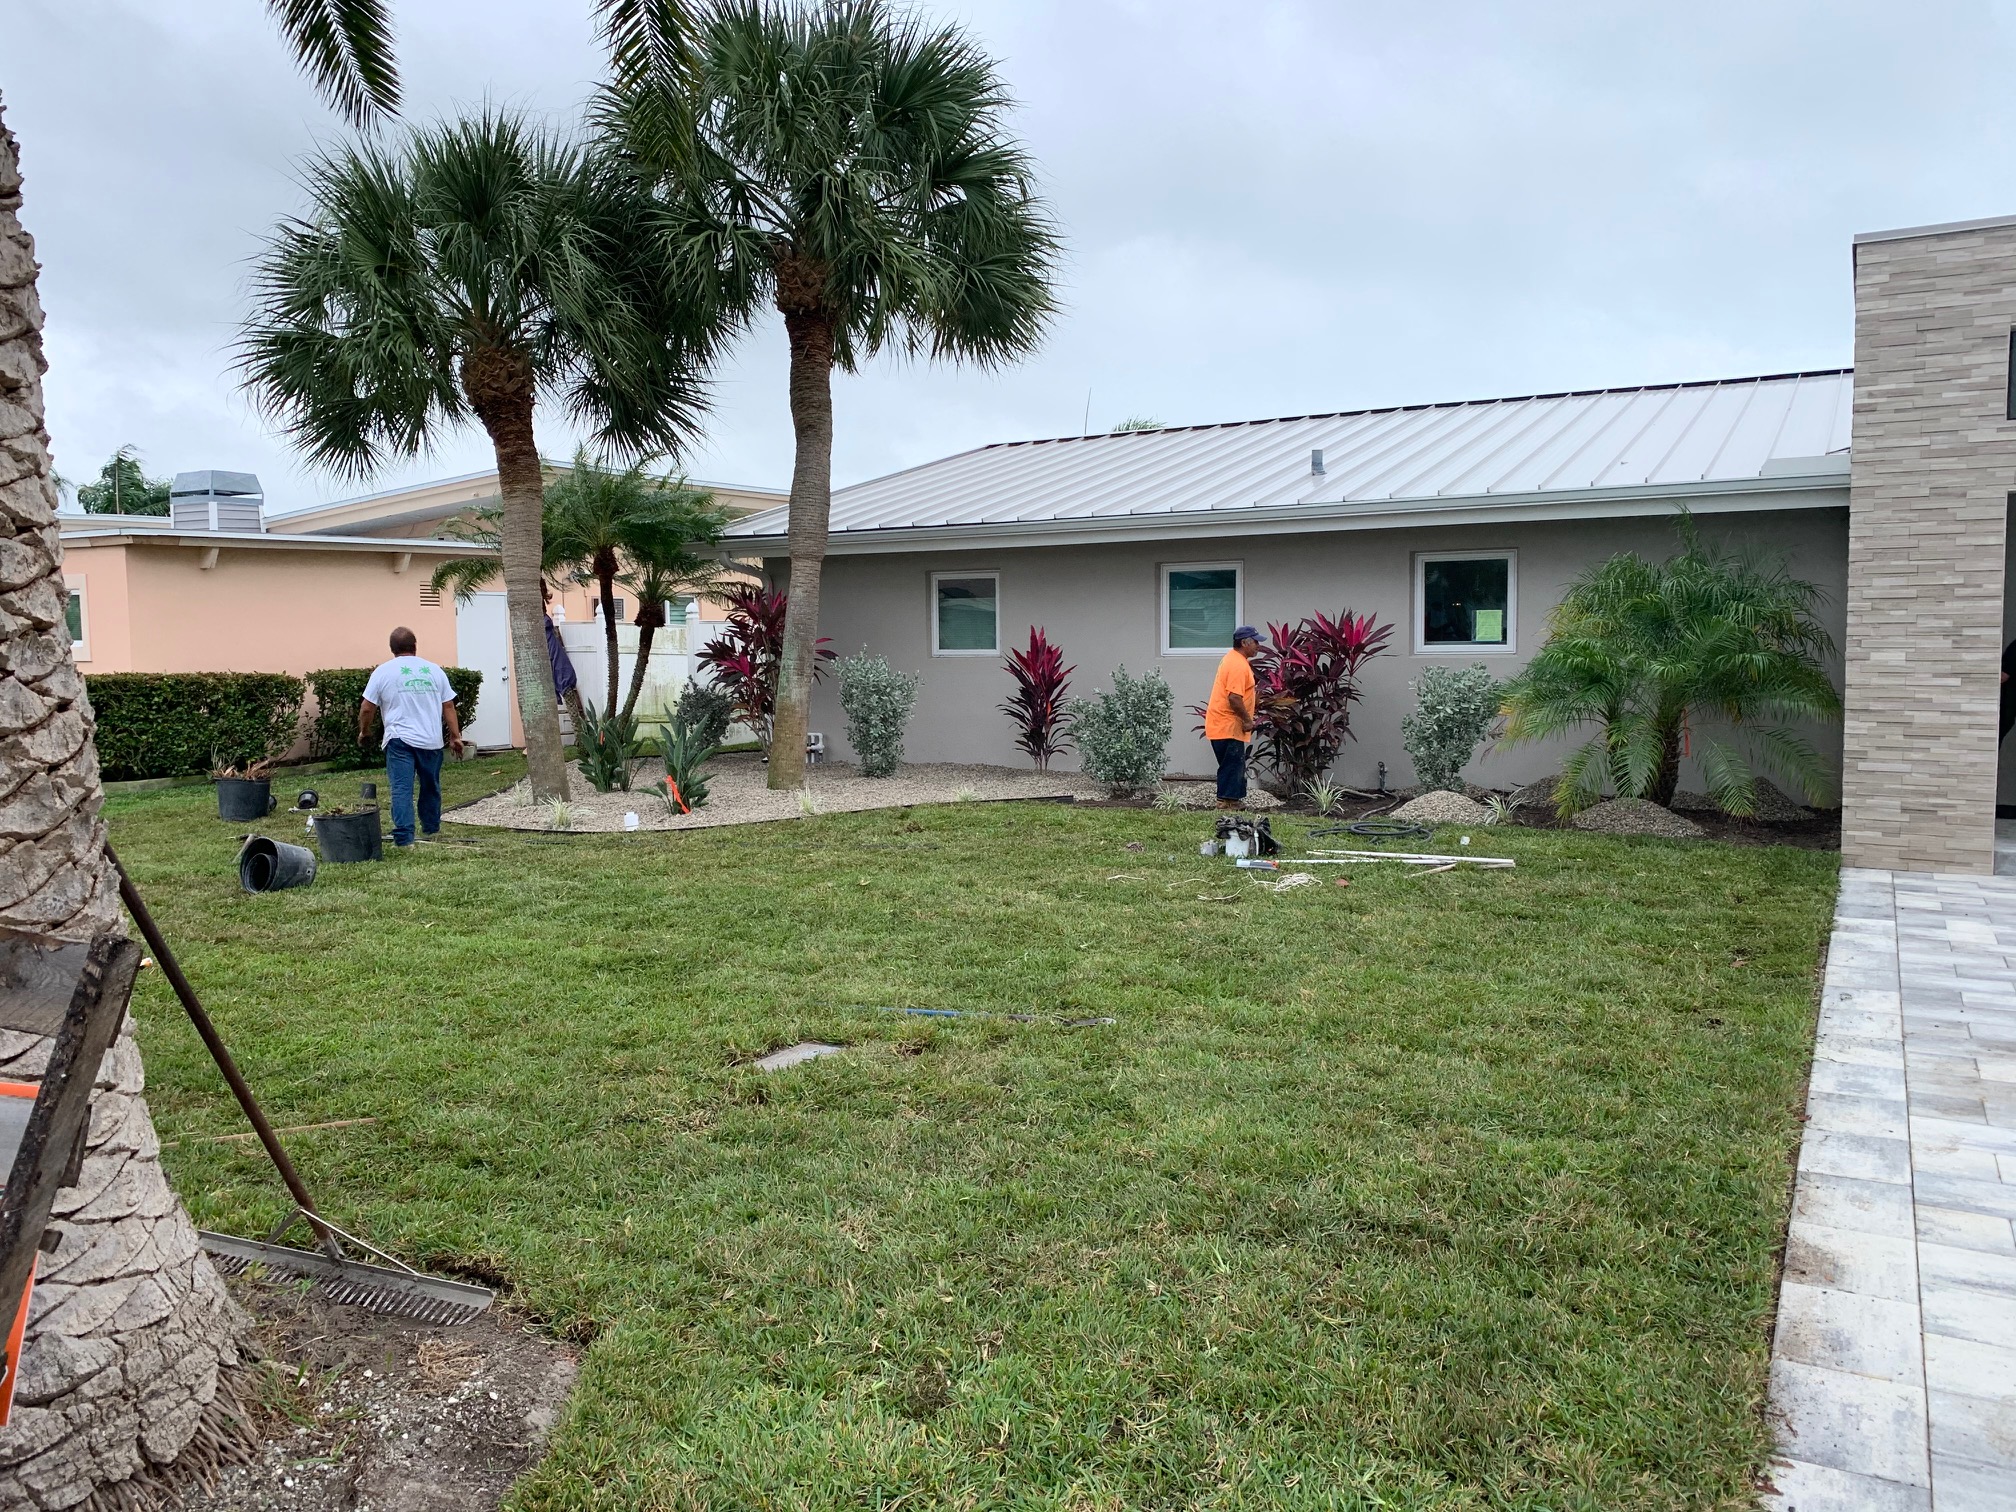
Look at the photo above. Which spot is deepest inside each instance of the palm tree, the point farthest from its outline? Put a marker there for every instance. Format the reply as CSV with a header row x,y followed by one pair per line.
x,y
98,1429
854,171
1653,652
475,269
606,528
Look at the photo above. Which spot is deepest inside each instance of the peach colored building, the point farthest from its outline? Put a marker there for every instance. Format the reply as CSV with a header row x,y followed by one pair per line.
x,y
219,586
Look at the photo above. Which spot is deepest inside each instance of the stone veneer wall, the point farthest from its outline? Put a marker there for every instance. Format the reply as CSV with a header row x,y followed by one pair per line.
x,y
1934,462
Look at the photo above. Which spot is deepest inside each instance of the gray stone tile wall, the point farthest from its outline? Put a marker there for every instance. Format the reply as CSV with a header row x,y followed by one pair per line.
x,y
1934,461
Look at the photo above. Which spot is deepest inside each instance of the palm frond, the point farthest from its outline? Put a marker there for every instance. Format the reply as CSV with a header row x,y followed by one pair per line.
x,y
345,46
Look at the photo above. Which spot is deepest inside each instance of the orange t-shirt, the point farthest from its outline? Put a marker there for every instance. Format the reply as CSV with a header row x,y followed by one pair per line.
x,y
1235,675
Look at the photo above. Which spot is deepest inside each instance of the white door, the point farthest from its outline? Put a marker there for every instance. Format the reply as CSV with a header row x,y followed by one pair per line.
x,y
483,641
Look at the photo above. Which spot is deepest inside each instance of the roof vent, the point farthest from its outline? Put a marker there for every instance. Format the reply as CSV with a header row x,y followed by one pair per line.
x,y
212,500
1316,461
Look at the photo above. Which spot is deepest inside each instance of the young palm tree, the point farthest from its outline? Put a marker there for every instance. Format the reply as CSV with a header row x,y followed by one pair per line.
x,y
98,1426
1650,652
472,271
853,170
606,528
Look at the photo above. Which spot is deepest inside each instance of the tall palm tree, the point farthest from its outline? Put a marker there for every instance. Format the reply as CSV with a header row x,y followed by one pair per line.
x,y
466,274
852,169
606,528
1653,652
97,1420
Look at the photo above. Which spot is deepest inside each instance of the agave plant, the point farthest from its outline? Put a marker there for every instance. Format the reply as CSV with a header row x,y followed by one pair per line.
x,y
1306,681
1040,705
746,660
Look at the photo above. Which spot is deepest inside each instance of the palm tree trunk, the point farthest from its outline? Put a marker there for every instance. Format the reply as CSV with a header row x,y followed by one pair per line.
x,y
499,386
1667,780
647,629
605,578
811,334
131,1333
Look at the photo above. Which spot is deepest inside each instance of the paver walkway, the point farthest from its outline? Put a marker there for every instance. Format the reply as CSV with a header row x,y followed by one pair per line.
x,y
1893,1376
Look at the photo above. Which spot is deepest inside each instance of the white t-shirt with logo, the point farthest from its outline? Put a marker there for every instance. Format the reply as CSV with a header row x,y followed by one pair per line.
x,y
409,692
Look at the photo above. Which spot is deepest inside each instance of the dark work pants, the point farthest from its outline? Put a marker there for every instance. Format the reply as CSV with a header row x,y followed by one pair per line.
x,y
1231,756
403,763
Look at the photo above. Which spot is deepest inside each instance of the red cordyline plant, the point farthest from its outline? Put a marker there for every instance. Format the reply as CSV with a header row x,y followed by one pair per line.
x,y
1041,681
745,660
1305,680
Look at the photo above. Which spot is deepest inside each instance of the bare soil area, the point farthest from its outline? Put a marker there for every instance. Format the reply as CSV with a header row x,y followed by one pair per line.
x,y
359,1412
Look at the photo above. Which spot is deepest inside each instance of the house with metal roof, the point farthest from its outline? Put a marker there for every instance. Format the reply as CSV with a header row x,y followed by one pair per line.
x,y
1461,524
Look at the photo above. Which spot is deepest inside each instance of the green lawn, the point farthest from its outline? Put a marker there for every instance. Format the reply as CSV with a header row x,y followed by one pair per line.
x,y
1460,1191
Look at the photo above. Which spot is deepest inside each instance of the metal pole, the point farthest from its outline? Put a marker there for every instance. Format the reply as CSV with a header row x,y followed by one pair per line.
x,y
150,932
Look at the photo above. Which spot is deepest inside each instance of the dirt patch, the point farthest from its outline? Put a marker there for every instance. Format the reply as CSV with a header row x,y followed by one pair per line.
x,y
737,794
356,1410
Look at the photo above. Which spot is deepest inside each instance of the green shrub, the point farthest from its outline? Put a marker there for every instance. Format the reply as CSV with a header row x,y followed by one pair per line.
x,y
338,691
1123,736
878,700
704,712
685,752
604,747
169,724
1454,712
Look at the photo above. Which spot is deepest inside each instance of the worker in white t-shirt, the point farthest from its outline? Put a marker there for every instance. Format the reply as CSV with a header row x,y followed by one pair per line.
x,y
414,699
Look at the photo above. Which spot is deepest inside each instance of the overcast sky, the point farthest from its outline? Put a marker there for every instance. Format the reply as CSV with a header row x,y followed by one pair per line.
x,y
1270,209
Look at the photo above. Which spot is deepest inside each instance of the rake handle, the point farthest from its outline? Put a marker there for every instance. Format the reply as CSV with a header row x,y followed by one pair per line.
x,y
207,1031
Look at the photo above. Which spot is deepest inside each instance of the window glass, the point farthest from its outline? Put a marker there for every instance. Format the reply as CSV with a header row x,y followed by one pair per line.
x,y
74,615
1463,603
1203,607
967,612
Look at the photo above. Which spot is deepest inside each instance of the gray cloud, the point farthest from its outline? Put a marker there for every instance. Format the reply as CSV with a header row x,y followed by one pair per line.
x,y
1271,209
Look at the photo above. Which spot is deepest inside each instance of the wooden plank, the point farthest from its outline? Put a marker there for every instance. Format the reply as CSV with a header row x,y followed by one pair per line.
x,y
62,1110
37,977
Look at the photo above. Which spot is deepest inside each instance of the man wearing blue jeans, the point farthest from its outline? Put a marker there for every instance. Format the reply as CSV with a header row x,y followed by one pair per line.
x,y
414,699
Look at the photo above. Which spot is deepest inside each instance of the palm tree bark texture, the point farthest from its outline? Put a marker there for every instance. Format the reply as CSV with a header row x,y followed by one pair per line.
x,y
131,1333
801,288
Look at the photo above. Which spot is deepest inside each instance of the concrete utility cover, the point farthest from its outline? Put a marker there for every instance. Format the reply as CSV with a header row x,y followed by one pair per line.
x,y
795,1055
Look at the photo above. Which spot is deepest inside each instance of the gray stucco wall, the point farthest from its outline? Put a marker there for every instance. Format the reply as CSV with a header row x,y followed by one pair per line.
x,y
1102,604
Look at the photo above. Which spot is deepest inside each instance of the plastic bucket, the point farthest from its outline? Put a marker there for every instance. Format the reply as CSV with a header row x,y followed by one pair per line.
x,y
241,798
268,865
350,837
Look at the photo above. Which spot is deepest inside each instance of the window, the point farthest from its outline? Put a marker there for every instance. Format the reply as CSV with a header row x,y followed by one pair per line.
x,y
2010,414
965,613
1201,605
73,613
1465,601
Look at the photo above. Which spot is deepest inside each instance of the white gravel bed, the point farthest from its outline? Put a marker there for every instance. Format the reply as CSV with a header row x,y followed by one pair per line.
x,y
1634,816
1442,807
737,794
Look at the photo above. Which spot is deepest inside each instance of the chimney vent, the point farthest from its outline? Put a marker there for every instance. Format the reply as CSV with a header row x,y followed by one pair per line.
x,y
1316,461
212,500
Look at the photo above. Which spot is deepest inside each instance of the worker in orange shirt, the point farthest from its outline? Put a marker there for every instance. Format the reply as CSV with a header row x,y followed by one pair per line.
x,y
1228,717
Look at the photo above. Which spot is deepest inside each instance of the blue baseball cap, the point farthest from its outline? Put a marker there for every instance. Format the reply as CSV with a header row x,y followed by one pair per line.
x,y
1247,632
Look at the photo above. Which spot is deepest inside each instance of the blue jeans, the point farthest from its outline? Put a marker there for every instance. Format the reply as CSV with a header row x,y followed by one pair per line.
x,y
402,764
1231,756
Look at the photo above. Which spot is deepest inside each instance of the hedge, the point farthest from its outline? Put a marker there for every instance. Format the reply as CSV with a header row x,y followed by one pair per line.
x,y
166,724
338,691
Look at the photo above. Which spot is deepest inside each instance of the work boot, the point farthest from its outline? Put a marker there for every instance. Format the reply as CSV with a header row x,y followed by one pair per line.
x,y
1231,805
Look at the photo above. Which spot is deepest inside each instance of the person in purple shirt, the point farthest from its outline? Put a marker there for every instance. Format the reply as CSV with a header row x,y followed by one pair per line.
x,y
565,684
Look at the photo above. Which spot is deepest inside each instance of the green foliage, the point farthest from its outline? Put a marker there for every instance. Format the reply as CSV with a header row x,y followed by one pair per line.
x,y
878,700
1706,642
170,724
704,712
338,690
1453,713
1123,736
686,749
122,488
345,46
604,747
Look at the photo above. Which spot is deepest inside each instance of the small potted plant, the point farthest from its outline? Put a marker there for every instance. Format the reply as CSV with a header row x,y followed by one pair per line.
x,y
243,789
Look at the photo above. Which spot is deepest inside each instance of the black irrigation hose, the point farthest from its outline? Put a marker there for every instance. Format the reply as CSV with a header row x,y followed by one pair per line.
x,y
1381,829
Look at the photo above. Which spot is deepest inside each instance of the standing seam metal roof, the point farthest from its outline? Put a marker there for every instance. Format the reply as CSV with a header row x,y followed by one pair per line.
x,y
1721,431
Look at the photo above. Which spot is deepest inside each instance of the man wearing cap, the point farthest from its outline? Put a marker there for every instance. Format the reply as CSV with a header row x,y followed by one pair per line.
x,y
1228,717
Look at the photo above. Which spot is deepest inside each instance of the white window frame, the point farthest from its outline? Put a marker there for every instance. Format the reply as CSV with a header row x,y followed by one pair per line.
x,y
80,649
1238,571
931,607
1510,557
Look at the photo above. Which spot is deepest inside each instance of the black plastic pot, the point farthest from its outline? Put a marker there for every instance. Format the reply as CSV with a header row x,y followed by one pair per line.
x,y
242,798
350,837
269,865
